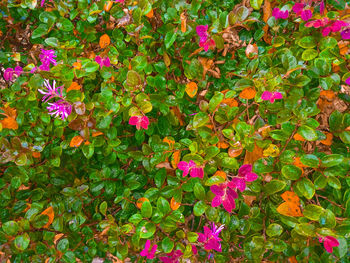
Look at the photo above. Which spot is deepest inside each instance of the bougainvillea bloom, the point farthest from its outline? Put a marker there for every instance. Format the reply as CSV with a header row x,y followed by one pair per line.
x,y
51,91
329,242
347,81
345,34
328,25
305,14
103,61
47,57
271,96
9,72
210,238
172,257
146,252
204,41
190,167
60,108
139,121
120,1
279,14
224,195
244,175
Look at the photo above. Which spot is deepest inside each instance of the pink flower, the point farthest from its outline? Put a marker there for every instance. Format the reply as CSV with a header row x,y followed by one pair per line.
x,y
60,108
278,13
271,96
9,72
172,257
347,81
224,195
47,57
120,1
51,91
244,175
149,253
190,167
329,242
305,14
322,7
210,238
204,41
103,62
139,121
345,34
328,25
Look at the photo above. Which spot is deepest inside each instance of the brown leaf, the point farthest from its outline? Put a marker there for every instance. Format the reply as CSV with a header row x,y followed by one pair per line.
x,y
104,41
76,141
251,157
9,123
249,199
51,214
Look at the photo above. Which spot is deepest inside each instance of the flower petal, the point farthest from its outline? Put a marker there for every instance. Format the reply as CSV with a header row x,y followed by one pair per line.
x,y
134,120
306,15
197,172
327,245
266,95
183,166
239,183
217,190
244,169
217,200
332,241
250,177
144,122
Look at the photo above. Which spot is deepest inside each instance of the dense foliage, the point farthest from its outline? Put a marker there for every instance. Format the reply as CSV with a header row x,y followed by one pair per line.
x,y
174,131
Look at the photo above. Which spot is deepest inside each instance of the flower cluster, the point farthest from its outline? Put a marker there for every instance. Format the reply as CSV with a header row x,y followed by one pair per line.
x,y
271,96
9,72
204,41
103,61
329,242
210,238
279,14
61,107
226,194
172,257
327,25
147,252
190,167
139,121
47,57
299,9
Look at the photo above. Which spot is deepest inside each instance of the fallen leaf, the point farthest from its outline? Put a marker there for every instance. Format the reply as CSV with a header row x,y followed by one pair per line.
x,y
291,206
247,93
191,89
251,157
104,41
51,214
76,141
249,199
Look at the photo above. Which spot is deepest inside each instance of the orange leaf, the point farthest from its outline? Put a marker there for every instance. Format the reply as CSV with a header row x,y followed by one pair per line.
x,y
77,65
329,94
289,209
9,123
173,204
298,163
292,260
74,86
223,145
140,201
97,133
36,154
298,137
251,51
51,214
104,41
183,22
87,143
76,141
178,114
267,10
290,196
191,89
249,199
220,173
247,93
108,5
251,157
328,140
150,14
176,159
232,152
230,102
169,141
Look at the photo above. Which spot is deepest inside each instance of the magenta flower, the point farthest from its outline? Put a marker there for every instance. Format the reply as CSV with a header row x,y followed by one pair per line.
x,y
120,1
322,7
60,108
47,57
224,195
103,61
204,41
51,91
210,238
347,81
9,72
172,257
279,14
345,34
149,253
305,14
329,242
139,121
190,167
271,96
328,25
244,175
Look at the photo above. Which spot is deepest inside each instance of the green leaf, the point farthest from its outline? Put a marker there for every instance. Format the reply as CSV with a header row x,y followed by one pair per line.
x,y
63,245
307,42
192,237
331,160
274,230
309,54
305,229
327,219
306,188
199,191
41,30
52,41
291,172
199,208
167,245
256,4
103,208
88,150
274,186
215,101
148,230
307,133
133,78
313,212
310,160
169,39
214,180
10,228
64,24
163,205
22,241
91,67
146,209
200,120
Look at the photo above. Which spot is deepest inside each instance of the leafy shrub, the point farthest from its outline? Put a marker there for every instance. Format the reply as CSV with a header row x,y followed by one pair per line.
x,y
174,130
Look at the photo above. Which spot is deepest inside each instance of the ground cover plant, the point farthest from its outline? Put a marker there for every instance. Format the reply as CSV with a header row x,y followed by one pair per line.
x,y
174,131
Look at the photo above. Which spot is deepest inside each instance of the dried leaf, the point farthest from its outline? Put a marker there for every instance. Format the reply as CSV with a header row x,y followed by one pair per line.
x,y
140,201
247,93
178,114
251,157
9,123
57,237
108,5
251,51
289,209
249,199
220,173
97,133
77,65
328,140
36,154
104,41
74,86
173,204
176,159
183,22
230,102
76,141
150,14
234,152
298,137
51,214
